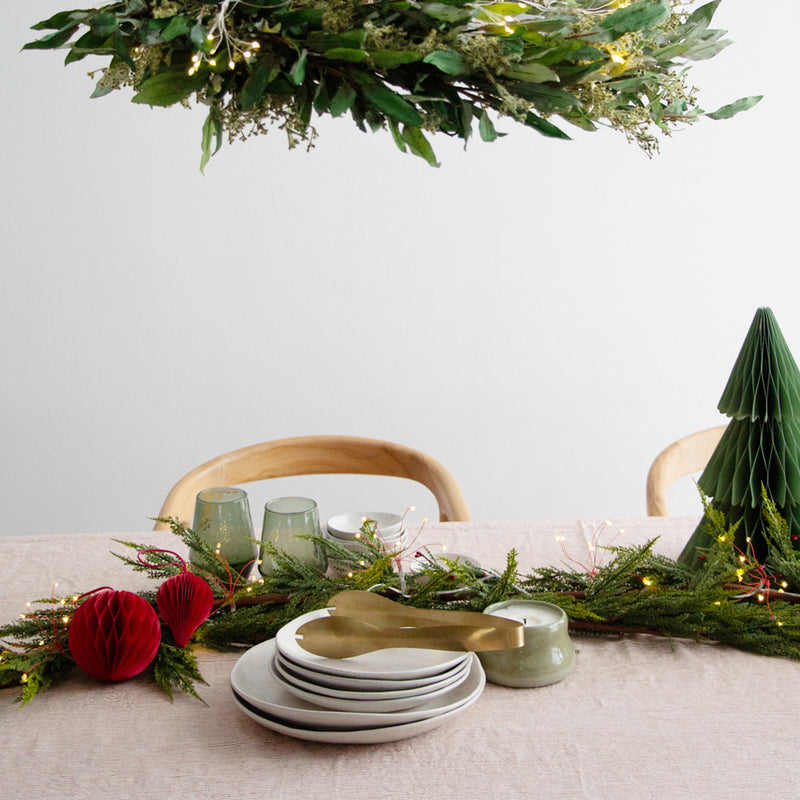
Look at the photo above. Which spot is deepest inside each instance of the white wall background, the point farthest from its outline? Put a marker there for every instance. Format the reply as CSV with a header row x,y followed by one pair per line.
x,y
543,317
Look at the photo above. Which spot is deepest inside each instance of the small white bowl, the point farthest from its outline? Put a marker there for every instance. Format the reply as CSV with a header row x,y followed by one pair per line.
x,y
346,526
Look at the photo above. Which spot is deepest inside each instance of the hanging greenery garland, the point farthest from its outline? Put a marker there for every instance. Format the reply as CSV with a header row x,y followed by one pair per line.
x,y
409,66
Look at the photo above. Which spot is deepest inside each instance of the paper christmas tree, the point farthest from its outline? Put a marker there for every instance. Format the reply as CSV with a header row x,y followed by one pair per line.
x,y
761,445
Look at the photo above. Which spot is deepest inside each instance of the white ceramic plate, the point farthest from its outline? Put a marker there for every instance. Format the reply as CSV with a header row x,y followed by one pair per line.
x,y
376,735
397,663
286,674
338,704
253,684
364,684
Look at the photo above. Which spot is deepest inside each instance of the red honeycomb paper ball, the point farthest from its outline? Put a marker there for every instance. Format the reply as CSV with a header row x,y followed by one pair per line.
x,y
114,635
185,601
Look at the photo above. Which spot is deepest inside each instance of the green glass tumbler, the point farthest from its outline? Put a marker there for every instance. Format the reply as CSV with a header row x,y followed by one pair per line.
x,y
286,519
222,519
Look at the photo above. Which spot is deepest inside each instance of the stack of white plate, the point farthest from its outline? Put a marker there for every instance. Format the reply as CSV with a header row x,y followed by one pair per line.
x,y
345,529
381,696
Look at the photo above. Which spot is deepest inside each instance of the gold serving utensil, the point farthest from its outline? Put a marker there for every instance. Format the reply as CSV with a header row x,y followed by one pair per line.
x,y
382,611
342,637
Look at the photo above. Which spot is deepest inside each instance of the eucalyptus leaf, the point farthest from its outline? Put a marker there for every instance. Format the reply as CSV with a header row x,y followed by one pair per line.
x,y
486,128
297,74
262,74
705,50
447,13
390,103
532,73
394,127
732,109
62,20
448,61
178,26
52,40
386,59
635,17
167,88
544,127
419,145
212,127
343,100
346,54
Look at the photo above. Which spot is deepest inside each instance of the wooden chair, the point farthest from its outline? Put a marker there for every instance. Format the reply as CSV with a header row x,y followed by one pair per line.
x,y
317,455
687,455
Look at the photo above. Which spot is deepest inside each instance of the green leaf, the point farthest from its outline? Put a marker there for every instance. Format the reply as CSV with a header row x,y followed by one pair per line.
x,y
320,41
419,145
348,54
544,127
167,88
546,98
101,90
52,40
700,19
394,127
120,45
297,74
178,26
486,128
198,35
104,24
386,59
342,100
732,109
467,113
211,127
262,74
531,73
706,50
446,13
390,102
636,17
64,19
448,61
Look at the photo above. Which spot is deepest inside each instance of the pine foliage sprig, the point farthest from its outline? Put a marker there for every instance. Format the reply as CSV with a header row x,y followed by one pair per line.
x,y
733,600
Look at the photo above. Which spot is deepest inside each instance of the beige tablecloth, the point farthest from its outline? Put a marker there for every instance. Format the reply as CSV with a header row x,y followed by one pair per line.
x,y
638,717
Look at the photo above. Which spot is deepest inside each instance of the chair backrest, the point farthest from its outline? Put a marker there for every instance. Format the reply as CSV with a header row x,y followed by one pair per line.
x,y
687,455
317,455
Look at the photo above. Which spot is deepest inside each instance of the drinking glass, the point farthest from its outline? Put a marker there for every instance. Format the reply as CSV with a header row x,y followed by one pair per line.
x,y
222,519
284,519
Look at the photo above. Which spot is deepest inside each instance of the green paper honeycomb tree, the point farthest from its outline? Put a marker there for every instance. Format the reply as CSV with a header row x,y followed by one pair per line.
x,y
761,445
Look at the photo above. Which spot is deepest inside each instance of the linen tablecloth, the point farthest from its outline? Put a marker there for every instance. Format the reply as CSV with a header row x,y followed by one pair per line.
x,y
638,717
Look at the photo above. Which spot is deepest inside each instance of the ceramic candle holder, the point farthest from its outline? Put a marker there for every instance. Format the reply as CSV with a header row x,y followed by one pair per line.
x,y
547,655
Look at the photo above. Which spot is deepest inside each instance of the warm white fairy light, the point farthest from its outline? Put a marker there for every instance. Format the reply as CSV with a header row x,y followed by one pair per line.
x,y
65,619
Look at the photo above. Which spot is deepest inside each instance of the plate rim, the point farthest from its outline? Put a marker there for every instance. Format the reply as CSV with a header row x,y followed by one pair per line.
x,y
375,735
340,719
350,666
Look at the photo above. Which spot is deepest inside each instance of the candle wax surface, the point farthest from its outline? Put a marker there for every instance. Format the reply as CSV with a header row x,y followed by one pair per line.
x,y
530,614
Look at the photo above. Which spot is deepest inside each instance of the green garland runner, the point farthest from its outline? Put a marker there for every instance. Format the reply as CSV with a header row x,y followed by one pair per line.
x,y
410,66
734,599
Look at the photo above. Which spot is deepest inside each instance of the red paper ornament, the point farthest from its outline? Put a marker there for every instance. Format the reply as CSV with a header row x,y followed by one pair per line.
x,y
114,635
185,601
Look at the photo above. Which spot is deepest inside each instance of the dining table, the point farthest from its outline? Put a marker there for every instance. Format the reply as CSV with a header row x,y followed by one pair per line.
x,y
639,716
